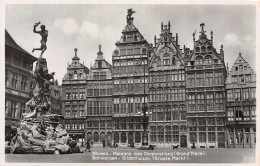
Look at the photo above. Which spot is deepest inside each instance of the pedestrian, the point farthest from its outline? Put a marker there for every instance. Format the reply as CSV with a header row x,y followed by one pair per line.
x,y
104,143
87,146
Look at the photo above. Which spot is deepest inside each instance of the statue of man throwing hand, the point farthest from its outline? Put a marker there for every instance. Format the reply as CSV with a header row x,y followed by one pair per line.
x,y
44,34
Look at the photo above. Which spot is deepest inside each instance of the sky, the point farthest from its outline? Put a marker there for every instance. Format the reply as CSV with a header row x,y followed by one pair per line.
x,y
85,26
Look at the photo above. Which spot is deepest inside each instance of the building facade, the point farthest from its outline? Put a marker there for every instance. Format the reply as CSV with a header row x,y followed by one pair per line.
x,y
56,102
18,68
241,105
99,102
205,94
130,72
167,101
73,99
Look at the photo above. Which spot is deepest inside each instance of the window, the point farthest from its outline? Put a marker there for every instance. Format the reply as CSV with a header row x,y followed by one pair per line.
x,y
201,103
166,60
246,94
174,94
234,79
199,60
246,113
191,80
210,102
253,113
229,95
175,116
160,116
173,61
168,137
241,78
219,101
13,109
14,80
230,114
240,66
75,76
237,95
200,79
218,78
253,92
181,94
211,121
211,136
248,77
175,134
160,134
191,102
208,60
153,134
202,137
7,75
208,79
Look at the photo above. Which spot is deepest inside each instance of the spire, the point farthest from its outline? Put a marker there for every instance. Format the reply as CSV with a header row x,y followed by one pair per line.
x,y
169,25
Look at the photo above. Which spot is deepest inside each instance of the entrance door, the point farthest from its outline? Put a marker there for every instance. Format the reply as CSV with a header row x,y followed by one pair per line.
x,y
221,140
183,141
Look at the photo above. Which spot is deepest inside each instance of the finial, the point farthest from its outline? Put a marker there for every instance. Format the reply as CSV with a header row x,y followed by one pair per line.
x,y
177,38
169,25
75,50
161,25
154,40
221,46
99,46
202,28
193,34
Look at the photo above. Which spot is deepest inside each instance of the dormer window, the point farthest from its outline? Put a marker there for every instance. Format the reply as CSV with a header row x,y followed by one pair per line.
x,y
199,60
208,60
166,60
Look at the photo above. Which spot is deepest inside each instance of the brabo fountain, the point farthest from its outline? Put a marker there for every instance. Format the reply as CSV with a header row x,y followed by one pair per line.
x,y
39,131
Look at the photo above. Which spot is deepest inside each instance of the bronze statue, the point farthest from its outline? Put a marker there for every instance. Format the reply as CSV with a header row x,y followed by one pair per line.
x,y
44,35
130,12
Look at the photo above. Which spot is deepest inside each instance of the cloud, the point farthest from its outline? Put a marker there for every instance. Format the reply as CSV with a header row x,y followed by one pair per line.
x,y
89,28
231,39
69,26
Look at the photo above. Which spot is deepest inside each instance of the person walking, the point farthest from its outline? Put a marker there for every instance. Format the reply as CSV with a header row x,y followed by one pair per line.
x,y
104,143
88,146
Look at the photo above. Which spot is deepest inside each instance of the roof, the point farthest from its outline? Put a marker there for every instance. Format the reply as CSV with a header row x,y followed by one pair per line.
x,y
9,41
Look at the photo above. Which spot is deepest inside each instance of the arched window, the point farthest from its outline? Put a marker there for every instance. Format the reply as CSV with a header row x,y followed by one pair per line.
x,y
102,136
137,138
160,134
153,134
197,49
201,103
123,137
199,60
208,60
209,48
168,137
203,49
219,101
183,129
167,113
210,101
116,137
96,137
175,134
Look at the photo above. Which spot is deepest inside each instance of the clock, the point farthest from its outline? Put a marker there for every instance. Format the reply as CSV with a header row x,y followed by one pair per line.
x,y
129,28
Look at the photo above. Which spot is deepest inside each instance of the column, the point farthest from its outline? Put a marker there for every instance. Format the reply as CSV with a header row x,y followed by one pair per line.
x,y
228,138
119,139
126,133
244,137
252,141
216,136
207,140
134,137
234,137
197,134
